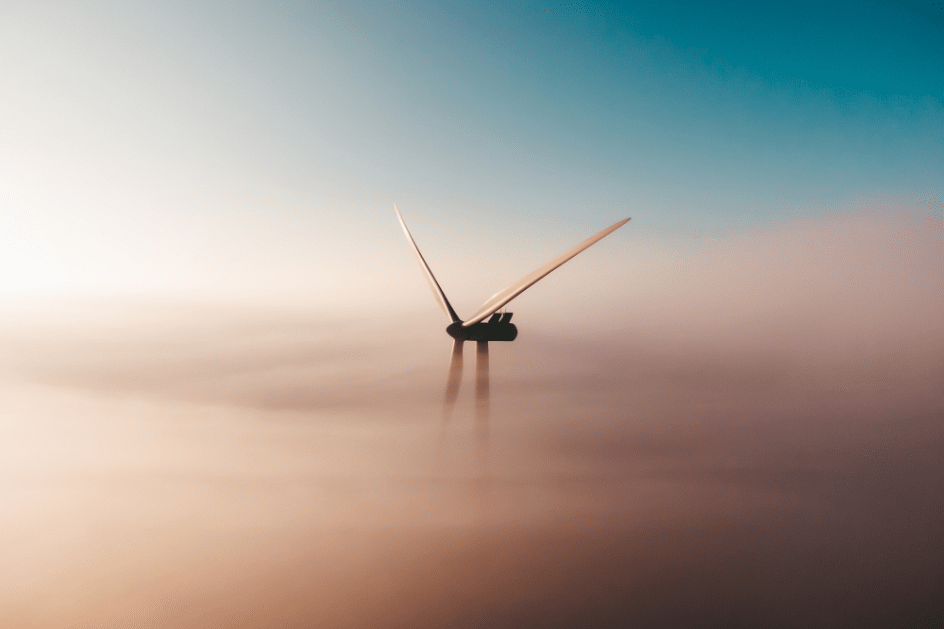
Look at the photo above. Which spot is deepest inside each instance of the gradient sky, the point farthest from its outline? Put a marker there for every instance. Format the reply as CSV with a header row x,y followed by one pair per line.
x,y
246,146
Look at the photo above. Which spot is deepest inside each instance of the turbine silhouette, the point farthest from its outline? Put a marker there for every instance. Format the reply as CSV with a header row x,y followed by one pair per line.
x,y
497,328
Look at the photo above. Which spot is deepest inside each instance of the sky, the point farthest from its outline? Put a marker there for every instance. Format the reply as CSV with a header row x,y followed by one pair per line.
x,y
244,147
222,372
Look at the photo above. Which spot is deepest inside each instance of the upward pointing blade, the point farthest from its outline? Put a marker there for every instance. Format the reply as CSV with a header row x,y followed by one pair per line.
x,y
433,284
501,298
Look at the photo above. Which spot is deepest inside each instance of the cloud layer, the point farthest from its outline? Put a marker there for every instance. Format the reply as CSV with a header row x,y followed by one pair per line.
x,y
750,436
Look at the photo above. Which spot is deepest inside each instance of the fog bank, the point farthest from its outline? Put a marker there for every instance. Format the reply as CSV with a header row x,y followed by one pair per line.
x,y
750,436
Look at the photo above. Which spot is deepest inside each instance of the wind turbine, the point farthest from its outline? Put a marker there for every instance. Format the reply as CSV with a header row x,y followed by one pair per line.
x,y
498,327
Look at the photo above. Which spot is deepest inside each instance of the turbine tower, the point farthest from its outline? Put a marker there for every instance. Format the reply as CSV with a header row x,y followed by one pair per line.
x,y
498,327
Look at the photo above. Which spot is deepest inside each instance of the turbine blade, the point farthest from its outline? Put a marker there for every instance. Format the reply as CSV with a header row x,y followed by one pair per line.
x,y
501,298
433,284
452,384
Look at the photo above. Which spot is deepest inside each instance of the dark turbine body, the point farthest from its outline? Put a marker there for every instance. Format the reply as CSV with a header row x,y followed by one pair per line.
x,y
497,328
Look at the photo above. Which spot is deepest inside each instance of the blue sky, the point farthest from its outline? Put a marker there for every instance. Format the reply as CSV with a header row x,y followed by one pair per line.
x,y
134,130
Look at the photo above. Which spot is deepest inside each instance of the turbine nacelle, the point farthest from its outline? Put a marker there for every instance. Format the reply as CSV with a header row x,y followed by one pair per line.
x,y
497,328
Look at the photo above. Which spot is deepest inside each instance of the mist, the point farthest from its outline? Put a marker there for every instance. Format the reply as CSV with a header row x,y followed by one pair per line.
x,y
744,431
